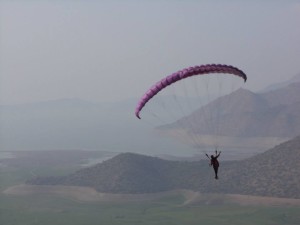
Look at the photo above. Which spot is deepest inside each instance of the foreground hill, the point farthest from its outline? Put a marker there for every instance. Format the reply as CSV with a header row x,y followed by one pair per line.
x,y
274,173
131,173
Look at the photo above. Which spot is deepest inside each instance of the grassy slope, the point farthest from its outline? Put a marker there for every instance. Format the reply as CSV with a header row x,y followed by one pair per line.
x,y
52,210
48,209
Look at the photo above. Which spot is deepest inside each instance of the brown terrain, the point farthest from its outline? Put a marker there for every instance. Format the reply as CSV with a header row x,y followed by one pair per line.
x,y
273,174
86,194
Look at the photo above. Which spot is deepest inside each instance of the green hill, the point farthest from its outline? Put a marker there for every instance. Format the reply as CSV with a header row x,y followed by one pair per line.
x,y
274,173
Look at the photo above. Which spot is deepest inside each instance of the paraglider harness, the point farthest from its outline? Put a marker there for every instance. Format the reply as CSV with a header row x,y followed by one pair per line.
x,y
213,161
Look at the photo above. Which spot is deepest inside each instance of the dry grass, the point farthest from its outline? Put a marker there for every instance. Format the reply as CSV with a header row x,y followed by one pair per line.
x,y
86,194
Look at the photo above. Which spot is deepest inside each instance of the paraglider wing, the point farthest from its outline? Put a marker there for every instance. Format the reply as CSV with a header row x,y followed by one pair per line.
x,y
185,73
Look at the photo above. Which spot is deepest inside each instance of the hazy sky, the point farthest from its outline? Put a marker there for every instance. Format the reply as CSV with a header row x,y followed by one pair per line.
x,y
113,50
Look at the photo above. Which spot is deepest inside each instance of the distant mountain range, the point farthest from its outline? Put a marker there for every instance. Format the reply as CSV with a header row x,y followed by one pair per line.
x,y
244,115
273,173
78,124
272,87
244,120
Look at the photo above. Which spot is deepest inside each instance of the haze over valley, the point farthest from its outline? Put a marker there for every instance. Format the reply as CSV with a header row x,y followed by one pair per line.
x,y
110,112
250,123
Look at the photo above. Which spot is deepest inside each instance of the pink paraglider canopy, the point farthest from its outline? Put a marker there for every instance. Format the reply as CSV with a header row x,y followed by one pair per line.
x,y
185,73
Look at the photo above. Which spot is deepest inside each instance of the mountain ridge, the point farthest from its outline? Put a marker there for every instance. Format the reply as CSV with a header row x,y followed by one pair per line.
x,y
274,173
246,114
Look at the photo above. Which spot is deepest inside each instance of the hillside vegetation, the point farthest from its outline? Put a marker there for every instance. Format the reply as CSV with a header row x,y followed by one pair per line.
x,y
274,173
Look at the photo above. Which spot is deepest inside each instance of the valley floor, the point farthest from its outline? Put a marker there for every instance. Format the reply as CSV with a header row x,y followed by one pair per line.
x,y
86,194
